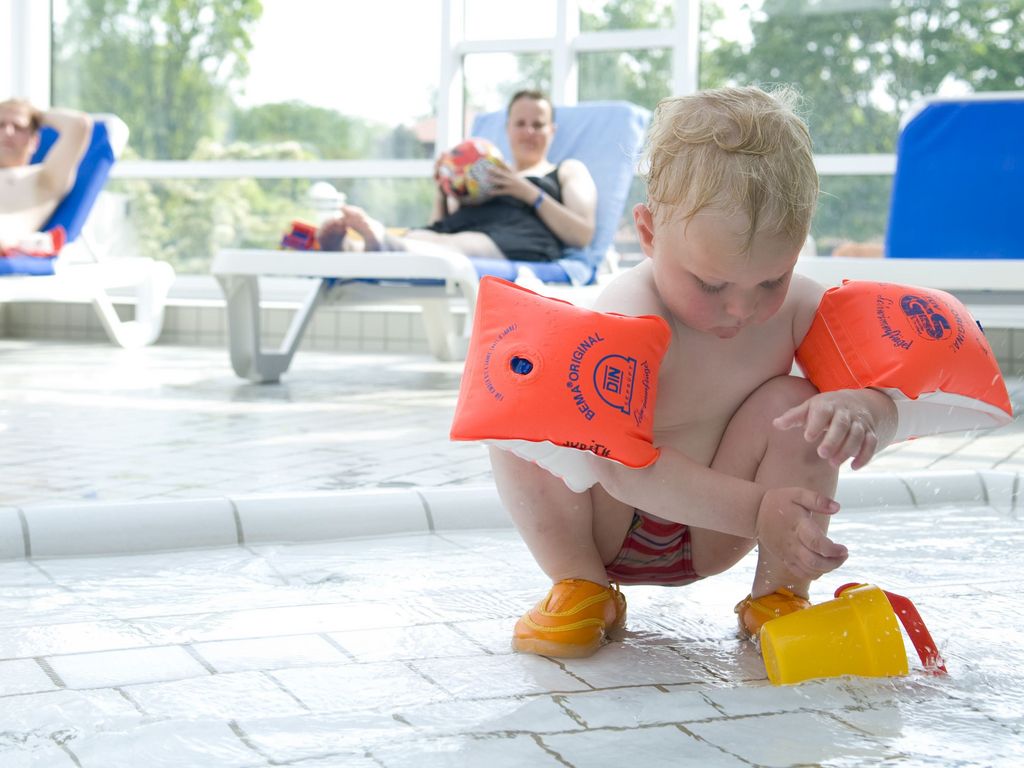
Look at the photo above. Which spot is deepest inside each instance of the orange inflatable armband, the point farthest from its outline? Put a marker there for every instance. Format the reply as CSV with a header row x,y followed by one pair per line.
x,y
542,374
918,345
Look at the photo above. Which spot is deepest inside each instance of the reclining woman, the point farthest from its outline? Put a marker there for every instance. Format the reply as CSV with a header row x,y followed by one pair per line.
x,y
538,208
29,194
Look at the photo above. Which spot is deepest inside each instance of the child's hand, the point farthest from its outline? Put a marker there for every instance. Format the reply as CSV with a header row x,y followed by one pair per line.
x,y
848,423
786,529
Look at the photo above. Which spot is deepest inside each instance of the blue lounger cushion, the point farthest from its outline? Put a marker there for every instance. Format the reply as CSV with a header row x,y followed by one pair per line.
x,y
959,175
607,137
74,209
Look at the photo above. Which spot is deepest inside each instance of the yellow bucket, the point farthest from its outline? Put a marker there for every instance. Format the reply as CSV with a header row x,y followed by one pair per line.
x,y
855,634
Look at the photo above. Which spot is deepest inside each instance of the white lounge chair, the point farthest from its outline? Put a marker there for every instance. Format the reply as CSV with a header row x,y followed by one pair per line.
x,y
954,220
606,136
82,272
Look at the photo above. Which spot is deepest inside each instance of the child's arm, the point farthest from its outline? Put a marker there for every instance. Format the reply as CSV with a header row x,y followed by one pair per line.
x,y
679,489
848,423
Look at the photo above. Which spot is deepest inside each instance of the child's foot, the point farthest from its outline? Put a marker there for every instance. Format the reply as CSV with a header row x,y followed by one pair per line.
x,y
753,612
571,621
371,230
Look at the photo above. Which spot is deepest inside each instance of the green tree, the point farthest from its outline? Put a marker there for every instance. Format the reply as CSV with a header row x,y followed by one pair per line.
x,y
323,132
642,76
862,65
168,68
164,66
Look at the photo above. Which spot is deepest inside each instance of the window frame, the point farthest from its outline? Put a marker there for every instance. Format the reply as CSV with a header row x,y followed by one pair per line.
x,y
28,41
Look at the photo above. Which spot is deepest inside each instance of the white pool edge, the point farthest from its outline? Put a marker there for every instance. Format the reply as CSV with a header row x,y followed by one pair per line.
x,y
74,529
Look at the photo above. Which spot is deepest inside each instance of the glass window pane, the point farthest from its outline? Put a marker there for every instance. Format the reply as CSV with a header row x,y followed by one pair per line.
x,y
851,208
598,15
861,65
643,77
319,73
492,78
519,19
184,221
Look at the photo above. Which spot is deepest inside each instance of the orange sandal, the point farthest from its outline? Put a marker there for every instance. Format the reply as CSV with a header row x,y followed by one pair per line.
x,y
754,612
571,621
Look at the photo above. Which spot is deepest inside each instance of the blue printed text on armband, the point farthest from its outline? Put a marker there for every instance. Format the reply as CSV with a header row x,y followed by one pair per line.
x,y
573,377
488,382
888,332
594,447
645,385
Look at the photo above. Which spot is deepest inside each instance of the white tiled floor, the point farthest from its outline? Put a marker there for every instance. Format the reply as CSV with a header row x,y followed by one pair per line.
x,y
393,650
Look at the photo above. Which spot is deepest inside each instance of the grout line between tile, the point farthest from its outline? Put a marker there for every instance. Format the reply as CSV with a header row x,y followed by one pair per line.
x,y
131,700
191,651
910,491
239,530
25,536
326,637
246,740
539,741
984,488
285,689
50,672
62,744
426,510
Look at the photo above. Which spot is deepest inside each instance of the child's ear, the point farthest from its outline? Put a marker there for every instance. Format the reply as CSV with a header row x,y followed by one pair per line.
x,y
644,220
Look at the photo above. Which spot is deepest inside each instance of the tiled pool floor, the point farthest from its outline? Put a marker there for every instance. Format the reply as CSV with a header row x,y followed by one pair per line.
x,y
393,651
86,422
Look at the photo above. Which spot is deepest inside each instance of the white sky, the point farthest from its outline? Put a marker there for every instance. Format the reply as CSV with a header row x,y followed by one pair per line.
x,y
341,54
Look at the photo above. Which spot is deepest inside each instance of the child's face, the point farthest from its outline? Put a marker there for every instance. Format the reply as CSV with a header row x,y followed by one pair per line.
x,y
707,277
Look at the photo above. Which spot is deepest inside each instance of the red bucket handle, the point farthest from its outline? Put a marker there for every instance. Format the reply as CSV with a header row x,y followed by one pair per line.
x,y
908,615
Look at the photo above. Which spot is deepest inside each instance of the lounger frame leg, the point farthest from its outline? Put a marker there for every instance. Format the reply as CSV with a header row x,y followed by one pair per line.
x,y
248,359
445,341
150,301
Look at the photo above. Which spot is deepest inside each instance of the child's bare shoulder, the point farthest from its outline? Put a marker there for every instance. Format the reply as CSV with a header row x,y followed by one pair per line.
x,y
802,301
631,293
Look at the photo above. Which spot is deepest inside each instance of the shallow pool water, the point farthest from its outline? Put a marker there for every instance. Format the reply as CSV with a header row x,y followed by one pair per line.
x,y
395,652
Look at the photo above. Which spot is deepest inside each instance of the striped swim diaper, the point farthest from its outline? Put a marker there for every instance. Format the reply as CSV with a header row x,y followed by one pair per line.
x,y
654,551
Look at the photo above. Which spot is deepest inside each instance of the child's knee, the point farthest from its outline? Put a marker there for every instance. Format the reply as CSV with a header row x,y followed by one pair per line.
x,y
778,395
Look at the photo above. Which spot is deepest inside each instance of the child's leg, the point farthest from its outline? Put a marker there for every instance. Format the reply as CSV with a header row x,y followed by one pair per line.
x,y
570,535
752,448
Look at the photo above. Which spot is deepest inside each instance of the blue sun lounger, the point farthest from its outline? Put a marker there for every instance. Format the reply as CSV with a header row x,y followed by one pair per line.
x,y
955,214
606,136
81,273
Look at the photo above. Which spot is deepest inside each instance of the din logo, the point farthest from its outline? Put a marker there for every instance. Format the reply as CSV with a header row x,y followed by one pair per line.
x,y
613,380
927,316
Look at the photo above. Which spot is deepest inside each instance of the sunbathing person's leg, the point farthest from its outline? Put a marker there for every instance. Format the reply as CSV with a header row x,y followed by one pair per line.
x,y
470,243
377,238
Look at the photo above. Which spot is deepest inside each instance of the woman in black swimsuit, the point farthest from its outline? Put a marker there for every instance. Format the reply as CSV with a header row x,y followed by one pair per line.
x,y
537,209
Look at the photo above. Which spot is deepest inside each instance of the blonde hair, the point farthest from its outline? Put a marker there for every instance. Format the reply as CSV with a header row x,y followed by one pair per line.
x,y
742,149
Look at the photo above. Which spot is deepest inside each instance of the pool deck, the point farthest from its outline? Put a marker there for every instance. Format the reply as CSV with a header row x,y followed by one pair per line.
x,y
269,634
